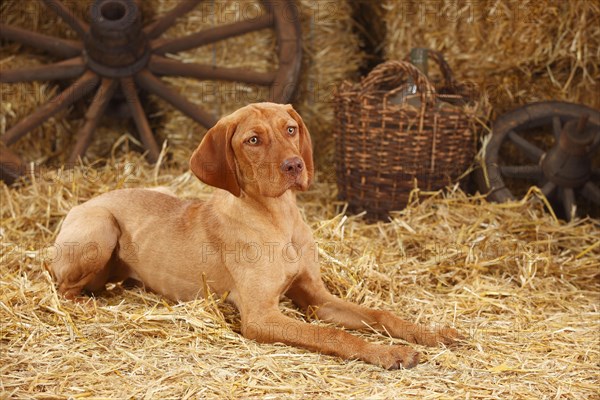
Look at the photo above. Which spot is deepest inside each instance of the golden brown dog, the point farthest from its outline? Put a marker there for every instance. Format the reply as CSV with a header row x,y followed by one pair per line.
x,y
248,242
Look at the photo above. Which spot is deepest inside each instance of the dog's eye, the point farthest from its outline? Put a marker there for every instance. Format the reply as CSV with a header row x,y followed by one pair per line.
x,y
253,140
291,130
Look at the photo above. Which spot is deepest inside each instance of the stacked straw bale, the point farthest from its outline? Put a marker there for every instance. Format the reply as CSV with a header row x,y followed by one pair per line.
x,y
515,51
330,55
520,285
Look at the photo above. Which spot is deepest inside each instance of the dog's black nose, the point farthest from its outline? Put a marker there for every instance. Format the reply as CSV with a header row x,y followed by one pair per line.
x,y
292,166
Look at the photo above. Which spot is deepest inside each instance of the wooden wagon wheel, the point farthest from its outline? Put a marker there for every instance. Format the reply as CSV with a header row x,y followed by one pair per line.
x,y
558,142
116,52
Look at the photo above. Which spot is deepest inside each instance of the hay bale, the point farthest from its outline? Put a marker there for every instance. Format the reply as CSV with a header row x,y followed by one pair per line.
x,y
514,51
521,285
331,55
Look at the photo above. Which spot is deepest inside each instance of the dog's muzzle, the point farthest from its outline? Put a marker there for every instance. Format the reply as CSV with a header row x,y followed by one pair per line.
x,y
292,167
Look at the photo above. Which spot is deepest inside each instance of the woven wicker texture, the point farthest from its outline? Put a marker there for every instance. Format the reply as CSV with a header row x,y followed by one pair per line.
x,y
389,142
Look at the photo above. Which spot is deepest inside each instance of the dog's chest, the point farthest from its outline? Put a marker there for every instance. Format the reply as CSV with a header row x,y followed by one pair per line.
x,y
291,256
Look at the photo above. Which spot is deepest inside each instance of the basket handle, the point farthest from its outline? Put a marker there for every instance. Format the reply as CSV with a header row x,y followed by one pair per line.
x,y
439,59
392,75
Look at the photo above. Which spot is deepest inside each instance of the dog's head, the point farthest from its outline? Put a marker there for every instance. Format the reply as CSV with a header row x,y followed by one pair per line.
x,y
262,149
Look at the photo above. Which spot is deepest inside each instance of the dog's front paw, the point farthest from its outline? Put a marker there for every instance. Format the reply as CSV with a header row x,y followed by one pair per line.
x,y
448,336
434,337
396,357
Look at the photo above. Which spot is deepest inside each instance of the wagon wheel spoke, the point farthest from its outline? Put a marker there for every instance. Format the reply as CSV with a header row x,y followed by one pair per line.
x,y
533,172
531,151
152,84
592,192
11,165
92,117
548,188
139,117
61,70
82,86
556,126
567,197
55,46
158,27
165,66
212,35
68,16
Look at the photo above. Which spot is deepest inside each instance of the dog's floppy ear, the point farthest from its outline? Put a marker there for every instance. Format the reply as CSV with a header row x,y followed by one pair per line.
x,y
213,162
306,150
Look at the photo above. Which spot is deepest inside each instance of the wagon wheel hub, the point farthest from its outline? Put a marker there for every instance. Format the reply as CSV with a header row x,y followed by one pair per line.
x,y
568,172
115,45
568,163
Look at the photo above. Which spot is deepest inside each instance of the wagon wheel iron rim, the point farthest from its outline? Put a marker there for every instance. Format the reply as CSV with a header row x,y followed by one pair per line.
x,y
564,171
116,53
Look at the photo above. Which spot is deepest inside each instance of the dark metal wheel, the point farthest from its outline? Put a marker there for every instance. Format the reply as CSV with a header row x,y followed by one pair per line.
x,y
554,145
117,53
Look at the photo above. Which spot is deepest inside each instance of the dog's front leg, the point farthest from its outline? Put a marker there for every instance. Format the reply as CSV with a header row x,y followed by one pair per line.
x,y
272,326
332,309
309,293
257,298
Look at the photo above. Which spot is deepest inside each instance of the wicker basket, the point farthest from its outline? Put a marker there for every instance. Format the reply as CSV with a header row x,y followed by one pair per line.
x,y
388,142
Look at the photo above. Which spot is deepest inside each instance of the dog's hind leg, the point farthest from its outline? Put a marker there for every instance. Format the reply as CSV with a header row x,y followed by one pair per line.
x,y
85,246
